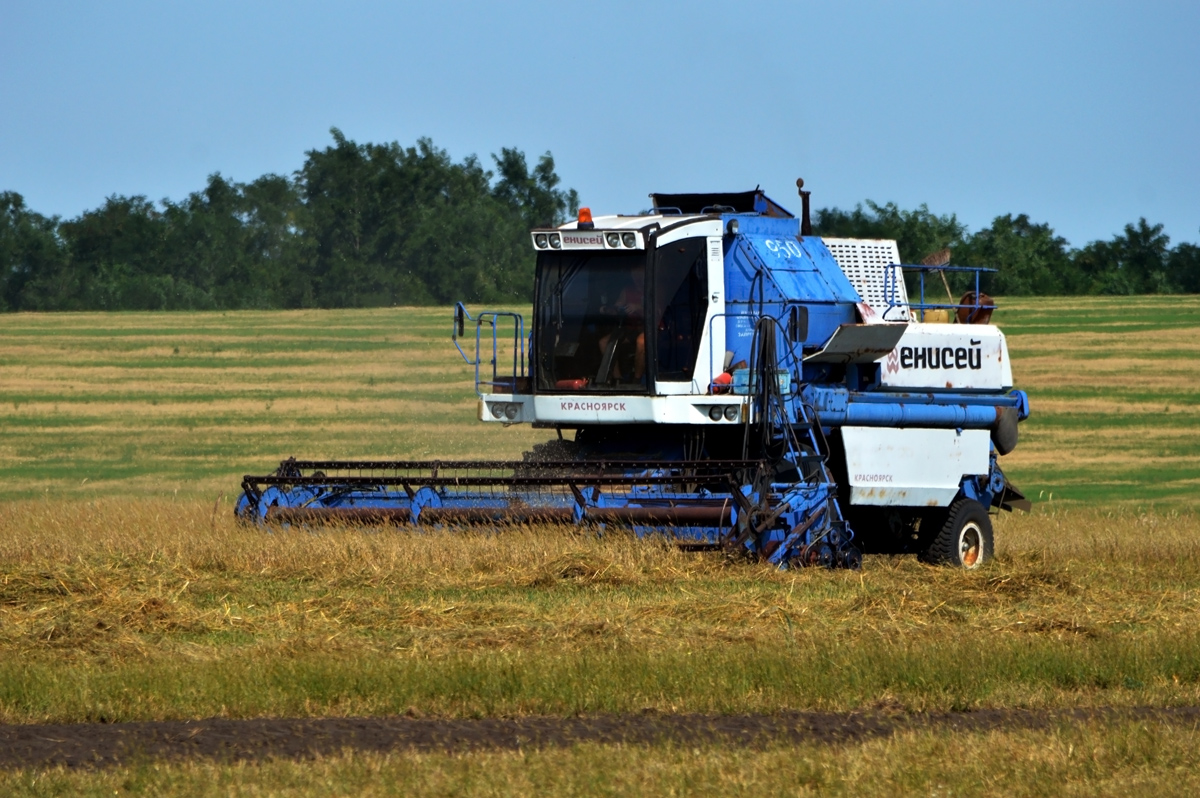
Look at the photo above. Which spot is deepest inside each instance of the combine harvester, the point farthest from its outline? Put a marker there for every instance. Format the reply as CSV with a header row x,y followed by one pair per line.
x,y
730,381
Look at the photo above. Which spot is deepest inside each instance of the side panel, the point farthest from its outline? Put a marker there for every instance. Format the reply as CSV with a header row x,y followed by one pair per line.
x,y
911,467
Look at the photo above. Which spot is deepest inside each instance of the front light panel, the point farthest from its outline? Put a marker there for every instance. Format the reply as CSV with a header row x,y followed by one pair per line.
x,y
722,413
505,411
613,239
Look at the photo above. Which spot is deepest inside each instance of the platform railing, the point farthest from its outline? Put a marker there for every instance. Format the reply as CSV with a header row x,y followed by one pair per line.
x,y
978,306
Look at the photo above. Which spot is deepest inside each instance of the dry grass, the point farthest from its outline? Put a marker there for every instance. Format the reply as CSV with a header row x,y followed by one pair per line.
x,y
1081,608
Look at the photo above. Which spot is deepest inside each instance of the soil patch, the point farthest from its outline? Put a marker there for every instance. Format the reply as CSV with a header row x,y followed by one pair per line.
x,y
101,744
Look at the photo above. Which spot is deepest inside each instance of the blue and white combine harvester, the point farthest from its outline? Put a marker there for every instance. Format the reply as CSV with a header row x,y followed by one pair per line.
x,y
716,374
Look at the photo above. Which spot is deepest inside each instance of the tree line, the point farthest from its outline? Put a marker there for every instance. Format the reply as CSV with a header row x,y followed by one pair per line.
x,y
362,225
358,225
1029,258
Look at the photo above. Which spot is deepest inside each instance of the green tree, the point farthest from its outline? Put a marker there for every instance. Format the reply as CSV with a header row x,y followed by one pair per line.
x,y
237,246
535,195
1132,263
1183,268
32,256
393,225
917,233
1029,257
116,259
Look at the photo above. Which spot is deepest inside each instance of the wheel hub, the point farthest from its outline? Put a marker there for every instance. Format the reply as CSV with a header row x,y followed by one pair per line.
x,y
970,545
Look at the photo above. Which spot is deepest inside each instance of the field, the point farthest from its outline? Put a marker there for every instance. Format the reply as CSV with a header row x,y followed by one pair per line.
x,y
127,592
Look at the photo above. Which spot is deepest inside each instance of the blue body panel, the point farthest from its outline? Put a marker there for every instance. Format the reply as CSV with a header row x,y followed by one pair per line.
x,y
770,267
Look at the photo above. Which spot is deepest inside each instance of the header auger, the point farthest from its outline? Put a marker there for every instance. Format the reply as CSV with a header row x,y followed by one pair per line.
x,y
718,375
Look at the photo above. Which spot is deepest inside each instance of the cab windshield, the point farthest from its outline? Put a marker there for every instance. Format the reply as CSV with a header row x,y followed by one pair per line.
x,y
596,308
592,321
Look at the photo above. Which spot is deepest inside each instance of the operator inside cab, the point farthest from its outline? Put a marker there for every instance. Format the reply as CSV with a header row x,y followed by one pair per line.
x,y
628,334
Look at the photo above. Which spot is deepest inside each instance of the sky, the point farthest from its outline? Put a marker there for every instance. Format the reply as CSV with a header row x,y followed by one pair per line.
x,y
1084,115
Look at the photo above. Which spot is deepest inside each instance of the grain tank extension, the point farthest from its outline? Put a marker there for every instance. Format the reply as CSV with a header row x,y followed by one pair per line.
x,y
711,371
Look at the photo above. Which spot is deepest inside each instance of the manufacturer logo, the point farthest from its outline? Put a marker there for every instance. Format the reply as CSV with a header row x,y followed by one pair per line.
x,y
940,357
576,239
593,407
893,362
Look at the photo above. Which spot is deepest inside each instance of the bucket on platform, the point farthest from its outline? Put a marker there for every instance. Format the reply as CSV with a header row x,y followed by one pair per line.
x,y
935,316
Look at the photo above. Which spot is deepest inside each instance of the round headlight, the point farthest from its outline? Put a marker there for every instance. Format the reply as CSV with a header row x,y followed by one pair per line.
x,y
555,241
613,239
511,411
731,412
540,241
629,239
715,413
497,410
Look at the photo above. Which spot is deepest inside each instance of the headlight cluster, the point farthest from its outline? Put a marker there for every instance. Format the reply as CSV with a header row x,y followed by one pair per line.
x,y
727,412
502,411
547,240
617,240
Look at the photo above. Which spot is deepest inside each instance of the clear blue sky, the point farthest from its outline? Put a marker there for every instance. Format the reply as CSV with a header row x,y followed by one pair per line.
x,y
1085,115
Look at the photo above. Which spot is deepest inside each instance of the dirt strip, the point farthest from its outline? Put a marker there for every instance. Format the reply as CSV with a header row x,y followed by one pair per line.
x,y
98,744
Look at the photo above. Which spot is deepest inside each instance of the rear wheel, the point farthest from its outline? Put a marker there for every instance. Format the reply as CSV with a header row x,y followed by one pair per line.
x,y
964,539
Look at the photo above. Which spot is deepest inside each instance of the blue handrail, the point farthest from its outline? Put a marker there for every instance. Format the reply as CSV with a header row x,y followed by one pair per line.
x,y
492,319
891,290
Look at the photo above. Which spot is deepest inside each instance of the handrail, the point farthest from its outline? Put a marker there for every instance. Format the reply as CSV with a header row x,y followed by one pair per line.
x,y
492,318
891,292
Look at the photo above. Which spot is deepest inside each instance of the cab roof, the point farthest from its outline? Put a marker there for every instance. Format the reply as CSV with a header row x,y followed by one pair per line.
x,y
722,202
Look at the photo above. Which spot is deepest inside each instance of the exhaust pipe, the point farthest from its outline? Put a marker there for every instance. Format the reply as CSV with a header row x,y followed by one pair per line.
x,y
805,219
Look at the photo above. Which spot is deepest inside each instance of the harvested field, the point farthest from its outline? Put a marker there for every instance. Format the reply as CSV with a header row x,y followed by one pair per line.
x,y
1115,389
129,596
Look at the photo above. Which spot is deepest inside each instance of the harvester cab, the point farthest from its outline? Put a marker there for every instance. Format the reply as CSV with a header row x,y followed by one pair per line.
x,y
716,373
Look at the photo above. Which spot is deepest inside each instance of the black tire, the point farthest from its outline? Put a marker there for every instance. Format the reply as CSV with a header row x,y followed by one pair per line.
x,y
965,538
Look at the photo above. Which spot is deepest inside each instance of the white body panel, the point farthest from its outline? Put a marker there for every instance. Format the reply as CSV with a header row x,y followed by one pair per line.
x,y
912,467
714,322
612,409
944,357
